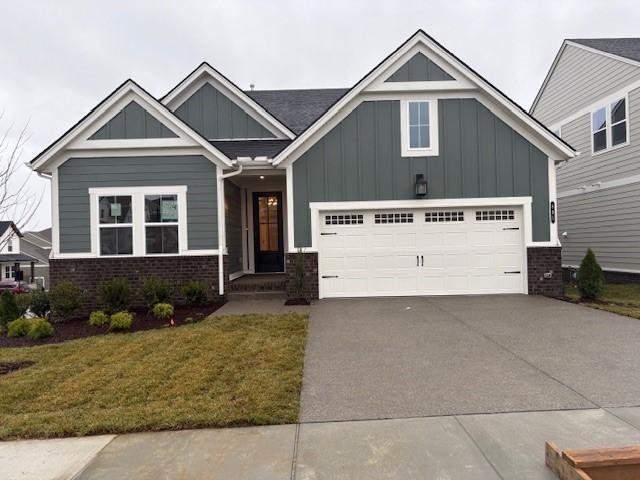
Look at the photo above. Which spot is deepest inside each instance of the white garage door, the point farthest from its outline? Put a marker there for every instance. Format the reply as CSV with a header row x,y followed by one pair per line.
x,y
421,252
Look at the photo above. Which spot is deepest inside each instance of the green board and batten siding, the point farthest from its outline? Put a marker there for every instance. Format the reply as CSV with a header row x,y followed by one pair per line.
x,y
419,69
77,175
480,157
214,116
132,121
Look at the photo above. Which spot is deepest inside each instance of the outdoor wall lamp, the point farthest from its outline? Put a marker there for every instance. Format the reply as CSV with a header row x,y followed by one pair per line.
x,y
421,185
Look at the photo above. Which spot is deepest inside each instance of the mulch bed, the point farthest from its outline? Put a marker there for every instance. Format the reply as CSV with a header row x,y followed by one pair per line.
x,y
8,367
144,320
297,301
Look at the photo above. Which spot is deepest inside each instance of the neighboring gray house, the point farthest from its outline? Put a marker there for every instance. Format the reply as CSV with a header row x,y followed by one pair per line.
x,y
38,245
591,98
26,252
421,179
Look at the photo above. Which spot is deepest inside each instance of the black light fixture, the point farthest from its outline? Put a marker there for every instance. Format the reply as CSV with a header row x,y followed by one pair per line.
x,y
421,185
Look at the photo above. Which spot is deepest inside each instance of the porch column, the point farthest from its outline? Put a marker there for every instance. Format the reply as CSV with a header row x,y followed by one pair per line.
x,y
33,272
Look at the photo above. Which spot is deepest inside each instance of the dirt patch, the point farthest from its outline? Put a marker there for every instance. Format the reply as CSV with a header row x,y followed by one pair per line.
x,y
8,367
144,320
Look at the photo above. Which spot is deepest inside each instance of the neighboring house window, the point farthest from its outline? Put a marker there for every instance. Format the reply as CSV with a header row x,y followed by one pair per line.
x,y
609,126
419,129
9,271
10,245
138,221
116,225
161,223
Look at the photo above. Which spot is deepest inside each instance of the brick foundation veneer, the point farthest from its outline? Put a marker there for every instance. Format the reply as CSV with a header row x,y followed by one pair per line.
x,y
90,273
310,288
541,260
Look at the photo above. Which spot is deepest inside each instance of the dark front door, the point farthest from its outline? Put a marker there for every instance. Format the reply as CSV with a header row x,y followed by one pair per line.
x,y
267,231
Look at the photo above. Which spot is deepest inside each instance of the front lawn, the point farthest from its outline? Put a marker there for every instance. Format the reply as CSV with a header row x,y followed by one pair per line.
x,y
225,371
623,299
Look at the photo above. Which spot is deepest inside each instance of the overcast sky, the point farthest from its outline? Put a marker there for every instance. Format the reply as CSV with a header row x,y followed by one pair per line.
x,y
58,59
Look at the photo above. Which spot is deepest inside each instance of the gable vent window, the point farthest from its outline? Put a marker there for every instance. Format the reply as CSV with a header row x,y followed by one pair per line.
x,y
492,215
384,218
609,126
343,219
433,217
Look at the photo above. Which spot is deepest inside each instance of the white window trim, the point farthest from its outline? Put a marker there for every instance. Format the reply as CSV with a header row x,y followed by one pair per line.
x,y
433,149
607,112
137,205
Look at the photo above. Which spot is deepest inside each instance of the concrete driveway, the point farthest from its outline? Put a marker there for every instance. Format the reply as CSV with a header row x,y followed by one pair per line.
x,y
413,357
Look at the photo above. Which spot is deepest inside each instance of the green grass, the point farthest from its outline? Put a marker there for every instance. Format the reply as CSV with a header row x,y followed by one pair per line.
x,y
226,371
623,299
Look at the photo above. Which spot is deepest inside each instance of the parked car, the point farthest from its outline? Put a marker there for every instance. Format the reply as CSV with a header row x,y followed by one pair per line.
x,y
15,287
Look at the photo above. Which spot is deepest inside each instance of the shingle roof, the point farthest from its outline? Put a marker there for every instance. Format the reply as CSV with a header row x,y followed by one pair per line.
x,y
250,148
34,246
17,257
297,109
623,47
4,225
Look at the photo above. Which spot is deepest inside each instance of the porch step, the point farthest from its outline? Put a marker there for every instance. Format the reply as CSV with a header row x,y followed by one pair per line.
x,y
259,283
270,295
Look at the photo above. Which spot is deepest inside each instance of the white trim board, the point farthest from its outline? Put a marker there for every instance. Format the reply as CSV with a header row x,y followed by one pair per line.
x,y
76,137
421,41
596,187
205,73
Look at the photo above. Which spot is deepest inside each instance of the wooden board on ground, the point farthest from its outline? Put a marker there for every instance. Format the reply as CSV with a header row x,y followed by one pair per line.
x,y
621,463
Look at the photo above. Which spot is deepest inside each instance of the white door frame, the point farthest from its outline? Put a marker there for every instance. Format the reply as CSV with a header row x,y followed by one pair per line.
x,y
524,202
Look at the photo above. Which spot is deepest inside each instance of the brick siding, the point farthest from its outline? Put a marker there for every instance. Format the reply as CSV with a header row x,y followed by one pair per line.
x,y
90,273
310,287
541,260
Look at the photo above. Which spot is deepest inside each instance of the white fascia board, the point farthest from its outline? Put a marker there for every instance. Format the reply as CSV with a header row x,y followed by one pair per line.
x,y
301,143
109,108
207,74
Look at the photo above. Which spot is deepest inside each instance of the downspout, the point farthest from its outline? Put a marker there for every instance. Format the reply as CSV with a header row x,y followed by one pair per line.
x,y
220,250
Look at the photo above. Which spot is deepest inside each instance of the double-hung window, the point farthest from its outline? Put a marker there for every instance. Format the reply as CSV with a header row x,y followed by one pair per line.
x,y
115,225
419,129
161,223
609,126
139,221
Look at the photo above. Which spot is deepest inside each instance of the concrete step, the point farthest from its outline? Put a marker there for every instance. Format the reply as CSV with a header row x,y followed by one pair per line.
x,y
239,296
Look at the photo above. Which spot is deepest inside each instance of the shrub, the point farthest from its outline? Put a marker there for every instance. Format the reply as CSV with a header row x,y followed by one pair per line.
x,y
23,302
18,328
39,328
65,298
590,277
114,295
195,293
156,290
98,318
9,310
40,304
163,311
121,321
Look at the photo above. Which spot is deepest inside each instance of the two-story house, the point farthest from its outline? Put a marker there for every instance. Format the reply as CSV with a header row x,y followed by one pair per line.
x,y
26,252
421,179
591,98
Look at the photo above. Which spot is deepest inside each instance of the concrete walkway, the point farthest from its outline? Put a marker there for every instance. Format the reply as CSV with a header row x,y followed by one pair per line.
x,y
491,446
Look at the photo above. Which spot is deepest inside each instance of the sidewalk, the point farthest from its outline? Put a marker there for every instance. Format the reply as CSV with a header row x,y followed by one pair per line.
x,y
494,446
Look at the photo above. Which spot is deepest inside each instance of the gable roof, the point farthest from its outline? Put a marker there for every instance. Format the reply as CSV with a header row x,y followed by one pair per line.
x,y
250,148
205,72
297,109
6,224
147,101
622,47
511,106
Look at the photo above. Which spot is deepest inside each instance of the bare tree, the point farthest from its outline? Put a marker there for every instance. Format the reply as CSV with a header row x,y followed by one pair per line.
x,y
18,203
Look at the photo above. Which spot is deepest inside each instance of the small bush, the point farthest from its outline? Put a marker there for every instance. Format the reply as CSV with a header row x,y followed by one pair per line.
x,y
65,298
195,293
156,290
121,321
163,311
39,328
590,277
98,318
9,310
23,301
114,295
18,328
40,304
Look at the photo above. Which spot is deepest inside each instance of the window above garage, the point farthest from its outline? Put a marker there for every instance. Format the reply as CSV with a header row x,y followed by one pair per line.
x,y
419,127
